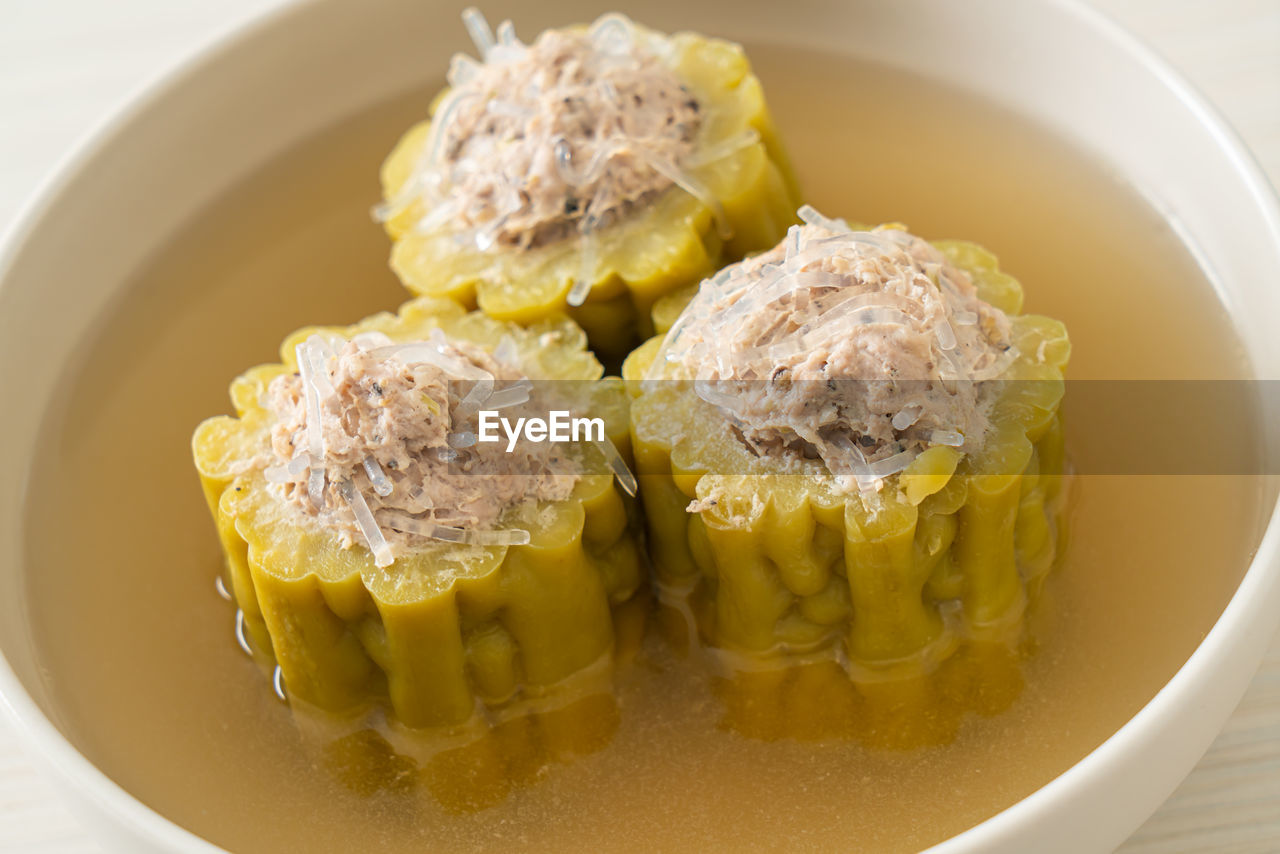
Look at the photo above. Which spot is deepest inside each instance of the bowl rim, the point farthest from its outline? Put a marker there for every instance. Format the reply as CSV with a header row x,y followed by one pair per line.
x,y
1238,624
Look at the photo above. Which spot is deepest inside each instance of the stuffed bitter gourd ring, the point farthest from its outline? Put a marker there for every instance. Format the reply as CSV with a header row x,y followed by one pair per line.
x,y
899,573
658,165
448,628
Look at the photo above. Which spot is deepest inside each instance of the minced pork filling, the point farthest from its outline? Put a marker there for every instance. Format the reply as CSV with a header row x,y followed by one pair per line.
x,y
375,439
861,348
558,137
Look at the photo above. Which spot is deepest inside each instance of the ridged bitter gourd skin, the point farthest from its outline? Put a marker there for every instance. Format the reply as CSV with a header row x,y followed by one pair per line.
x,y
652,251
477,764
829,618
449,638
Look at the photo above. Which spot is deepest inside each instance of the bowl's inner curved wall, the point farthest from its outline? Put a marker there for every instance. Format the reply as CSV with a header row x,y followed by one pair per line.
x,y
146,680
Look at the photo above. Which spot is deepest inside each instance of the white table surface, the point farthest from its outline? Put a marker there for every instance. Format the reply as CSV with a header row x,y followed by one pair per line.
x,y
67,64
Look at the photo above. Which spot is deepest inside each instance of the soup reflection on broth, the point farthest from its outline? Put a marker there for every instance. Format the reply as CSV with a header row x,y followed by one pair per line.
x,y
150,684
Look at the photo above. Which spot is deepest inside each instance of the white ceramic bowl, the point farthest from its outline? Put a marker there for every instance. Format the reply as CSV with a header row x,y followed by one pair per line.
x,y
295,71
